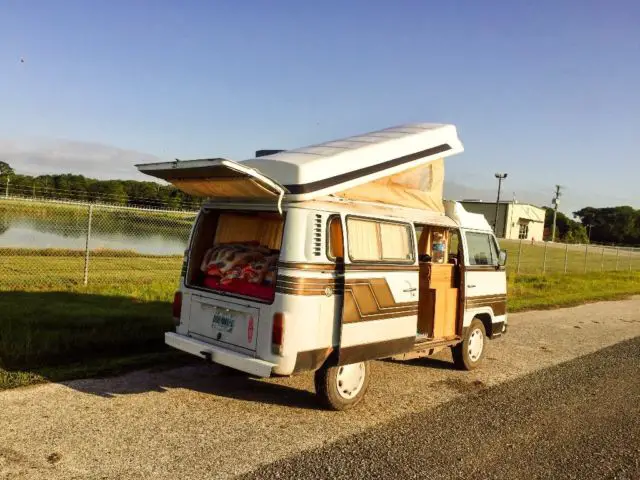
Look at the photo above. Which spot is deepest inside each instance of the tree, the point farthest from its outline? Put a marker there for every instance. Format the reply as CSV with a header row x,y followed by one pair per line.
x,y
568,230
6,170
618,225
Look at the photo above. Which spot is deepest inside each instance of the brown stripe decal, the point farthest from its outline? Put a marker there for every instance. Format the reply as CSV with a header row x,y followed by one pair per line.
x,y
483,268
345,177
311,359
356,267
371,299
371,351
498,303
364,298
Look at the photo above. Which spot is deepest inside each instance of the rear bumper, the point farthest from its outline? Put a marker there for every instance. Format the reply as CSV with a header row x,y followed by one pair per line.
x,y
244,363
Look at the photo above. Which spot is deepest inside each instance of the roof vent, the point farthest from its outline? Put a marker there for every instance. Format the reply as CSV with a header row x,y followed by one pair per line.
x,y
264,153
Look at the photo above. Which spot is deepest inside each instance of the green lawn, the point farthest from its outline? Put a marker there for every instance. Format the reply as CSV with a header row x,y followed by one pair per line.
x,y
53,328
578,259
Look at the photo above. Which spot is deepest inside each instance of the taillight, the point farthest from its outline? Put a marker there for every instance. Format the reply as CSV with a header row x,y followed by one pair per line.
x,y
177,307
277,333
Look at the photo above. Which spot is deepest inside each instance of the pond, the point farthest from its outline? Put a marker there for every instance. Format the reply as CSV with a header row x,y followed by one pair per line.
x,y
141,232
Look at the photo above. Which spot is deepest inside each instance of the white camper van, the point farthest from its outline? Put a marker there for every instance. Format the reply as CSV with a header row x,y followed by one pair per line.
x,y
326,257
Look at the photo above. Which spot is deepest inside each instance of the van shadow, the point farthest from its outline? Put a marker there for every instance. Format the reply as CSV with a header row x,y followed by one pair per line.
x,y
427,362
202,378
60,335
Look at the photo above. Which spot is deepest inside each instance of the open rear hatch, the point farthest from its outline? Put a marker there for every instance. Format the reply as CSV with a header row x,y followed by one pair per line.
x,y
216,178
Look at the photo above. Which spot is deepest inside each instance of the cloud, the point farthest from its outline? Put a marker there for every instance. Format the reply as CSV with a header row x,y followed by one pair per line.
x,y
39,157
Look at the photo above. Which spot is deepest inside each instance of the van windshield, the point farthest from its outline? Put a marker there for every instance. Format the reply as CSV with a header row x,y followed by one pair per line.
x,y
237,253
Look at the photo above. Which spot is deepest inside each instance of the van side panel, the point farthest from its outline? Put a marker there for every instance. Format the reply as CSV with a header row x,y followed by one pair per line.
x,y
307,292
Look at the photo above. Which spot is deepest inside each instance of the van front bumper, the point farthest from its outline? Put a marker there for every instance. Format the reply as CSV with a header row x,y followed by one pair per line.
x,y
238,361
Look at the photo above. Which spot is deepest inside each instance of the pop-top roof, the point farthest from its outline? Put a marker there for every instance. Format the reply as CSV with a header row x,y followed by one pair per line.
x,y
341,164
400,165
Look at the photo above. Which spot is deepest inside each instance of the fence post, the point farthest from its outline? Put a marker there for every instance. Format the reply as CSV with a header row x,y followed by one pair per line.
x,y
519,257
617,257
544,259
86,247
586,252
566,256
602,260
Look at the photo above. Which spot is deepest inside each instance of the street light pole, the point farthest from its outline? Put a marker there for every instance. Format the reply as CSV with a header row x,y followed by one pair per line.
x,y
500,177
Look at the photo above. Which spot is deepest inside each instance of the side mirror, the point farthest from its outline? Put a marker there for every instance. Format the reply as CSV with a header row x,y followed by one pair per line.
x,y
502,258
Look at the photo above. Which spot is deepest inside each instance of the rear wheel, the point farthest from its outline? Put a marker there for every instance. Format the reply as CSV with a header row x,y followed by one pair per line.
x,y
469,354
343,387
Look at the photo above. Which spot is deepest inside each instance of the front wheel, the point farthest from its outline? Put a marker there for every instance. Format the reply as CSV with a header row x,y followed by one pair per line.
x,y
343,387
468,354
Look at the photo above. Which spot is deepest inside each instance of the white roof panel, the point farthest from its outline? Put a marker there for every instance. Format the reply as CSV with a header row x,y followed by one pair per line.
x,y
341,164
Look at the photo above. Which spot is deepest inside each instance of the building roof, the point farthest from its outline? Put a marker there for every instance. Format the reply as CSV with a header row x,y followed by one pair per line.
x,y
502,202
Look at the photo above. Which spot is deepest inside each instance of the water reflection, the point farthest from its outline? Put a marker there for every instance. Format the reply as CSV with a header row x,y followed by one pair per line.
x,y
120,230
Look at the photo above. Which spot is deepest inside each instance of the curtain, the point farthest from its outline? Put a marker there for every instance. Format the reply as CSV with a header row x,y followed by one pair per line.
x,y
396,242
363,240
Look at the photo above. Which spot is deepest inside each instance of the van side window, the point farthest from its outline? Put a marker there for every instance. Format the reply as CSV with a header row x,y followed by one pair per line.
x,y
482,249
454,246
335,241
374,241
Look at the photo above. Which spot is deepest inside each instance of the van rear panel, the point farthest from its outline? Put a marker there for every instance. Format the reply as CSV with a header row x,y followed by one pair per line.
x,y
223,321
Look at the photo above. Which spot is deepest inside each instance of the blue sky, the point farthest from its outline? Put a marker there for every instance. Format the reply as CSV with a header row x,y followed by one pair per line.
x,y
547,90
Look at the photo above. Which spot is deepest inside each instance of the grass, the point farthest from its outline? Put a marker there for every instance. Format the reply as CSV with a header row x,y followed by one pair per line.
x,y
578,259
55,269
52,328
533,292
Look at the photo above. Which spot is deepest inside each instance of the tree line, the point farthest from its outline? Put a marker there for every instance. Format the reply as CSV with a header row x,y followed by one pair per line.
x,y
615,225
80,188
610,225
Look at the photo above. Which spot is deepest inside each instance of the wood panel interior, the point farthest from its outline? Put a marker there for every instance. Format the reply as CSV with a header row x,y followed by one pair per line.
x,y
439,288
216,227
202,238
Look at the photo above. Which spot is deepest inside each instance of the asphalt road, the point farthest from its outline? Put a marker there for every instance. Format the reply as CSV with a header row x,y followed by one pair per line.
x,y
579,420
193,423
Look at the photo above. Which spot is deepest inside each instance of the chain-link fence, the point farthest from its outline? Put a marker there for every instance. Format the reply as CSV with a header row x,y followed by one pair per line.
x,y
530,257
57,244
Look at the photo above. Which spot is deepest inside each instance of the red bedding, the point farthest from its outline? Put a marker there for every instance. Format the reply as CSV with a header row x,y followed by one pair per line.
x,y
247,268
242,287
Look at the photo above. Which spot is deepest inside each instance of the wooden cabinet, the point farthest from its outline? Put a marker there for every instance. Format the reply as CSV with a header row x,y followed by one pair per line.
x,y
438,301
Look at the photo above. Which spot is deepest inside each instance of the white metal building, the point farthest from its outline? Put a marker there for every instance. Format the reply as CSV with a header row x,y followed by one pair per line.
x,y
515,220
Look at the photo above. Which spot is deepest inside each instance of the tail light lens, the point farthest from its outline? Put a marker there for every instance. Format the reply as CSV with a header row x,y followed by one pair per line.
x,y
177,307
277,333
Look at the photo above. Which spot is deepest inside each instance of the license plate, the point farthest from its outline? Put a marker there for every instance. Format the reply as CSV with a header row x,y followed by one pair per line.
x,y
223,321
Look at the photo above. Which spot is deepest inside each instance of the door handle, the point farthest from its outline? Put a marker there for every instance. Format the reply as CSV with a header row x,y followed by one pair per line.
x,y
471,286
410,290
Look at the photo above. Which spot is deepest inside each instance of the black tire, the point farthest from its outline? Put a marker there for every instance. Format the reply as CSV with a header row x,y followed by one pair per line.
x,y
462,357
328,389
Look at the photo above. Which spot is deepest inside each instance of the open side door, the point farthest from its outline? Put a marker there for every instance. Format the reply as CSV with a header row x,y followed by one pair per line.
x,y
216,178
485,280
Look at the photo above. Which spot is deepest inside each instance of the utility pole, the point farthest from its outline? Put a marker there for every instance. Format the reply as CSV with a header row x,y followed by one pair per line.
x,y
500,177
556,202
6,192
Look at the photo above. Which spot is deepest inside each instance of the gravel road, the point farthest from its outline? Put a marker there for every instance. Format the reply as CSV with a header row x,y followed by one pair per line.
x,y
578,420
194,423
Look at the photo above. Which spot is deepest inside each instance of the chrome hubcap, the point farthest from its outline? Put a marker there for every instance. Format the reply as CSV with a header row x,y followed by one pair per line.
x,y
350,379
476,344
